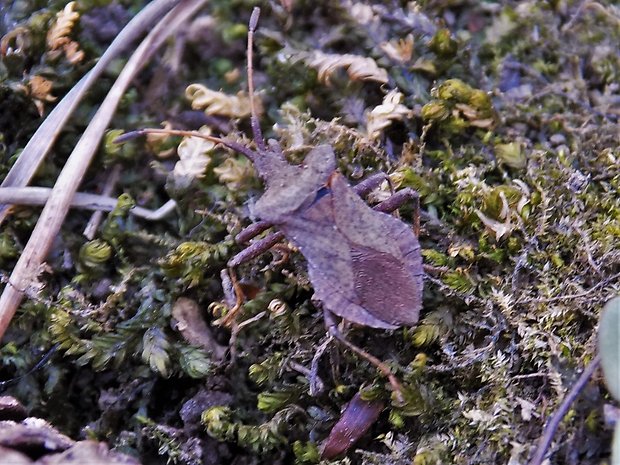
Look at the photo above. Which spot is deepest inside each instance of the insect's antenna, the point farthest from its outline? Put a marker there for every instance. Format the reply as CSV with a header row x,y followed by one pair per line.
x,y
177,132
258,135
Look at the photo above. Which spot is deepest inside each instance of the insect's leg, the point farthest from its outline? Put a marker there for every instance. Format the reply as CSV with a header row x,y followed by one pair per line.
x,y
229,279
252,231
332,328
255,249
397,200
372,182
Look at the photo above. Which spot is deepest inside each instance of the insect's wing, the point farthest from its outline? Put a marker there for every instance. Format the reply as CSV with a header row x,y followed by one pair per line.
x,y
365,266
385,257
329,262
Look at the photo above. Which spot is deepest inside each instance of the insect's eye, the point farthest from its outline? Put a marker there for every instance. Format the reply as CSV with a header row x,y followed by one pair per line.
x,y
322,192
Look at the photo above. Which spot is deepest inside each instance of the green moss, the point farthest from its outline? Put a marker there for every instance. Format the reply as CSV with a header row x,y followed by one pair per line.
x,y
306,452
190,260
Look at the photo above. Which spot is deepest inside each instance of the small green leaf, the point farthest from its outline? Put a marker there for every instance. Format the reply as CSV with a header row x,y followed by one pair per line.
x,y
94,254
195,362
511,154
272,401
155,350
306,452
609,345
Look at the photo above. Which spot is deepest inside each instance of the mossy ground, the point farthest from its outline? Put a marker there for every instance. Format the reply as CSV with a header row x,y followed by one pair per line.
x,y
510,135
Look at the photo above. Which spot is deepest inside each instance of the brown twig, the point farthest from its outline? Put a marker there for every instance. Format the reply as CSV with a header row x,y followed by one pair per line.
x,y
554,422
58,204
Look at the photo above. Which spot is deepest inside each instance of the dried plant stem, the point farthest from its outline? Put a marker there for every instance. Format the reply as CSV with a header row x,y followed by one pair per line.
x,y
553,424
316,384
58,204
108,188
39,196
37,147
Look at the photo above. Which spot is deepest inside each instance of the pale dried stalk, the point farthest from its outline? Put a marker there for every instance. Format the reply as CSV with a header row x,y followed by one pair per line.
x,y
551,427
101,203
57,206
39,145
97,217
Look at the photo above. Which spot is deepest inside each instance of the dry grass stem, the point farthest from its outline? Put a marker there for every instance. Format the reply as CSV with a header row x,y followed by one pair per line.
x,y
59,202
39,145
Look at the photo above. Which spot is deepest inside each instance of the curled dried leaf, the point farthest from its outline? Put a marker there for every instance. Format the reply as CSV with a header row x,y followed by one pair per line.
x,y
40,90
58,41
65,20
193,158
358,68
73,54
234,173
277,307
218,103
382,115
15,41
400,50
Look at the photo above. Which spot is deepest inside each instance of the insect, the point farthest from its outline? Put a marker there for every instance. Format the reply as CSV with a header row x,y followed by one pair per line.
x,y
365,265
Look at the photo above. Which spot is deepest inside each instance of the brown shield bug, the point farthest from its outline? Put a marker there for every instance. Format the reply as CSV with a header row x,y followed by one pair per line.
x,y
364,264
